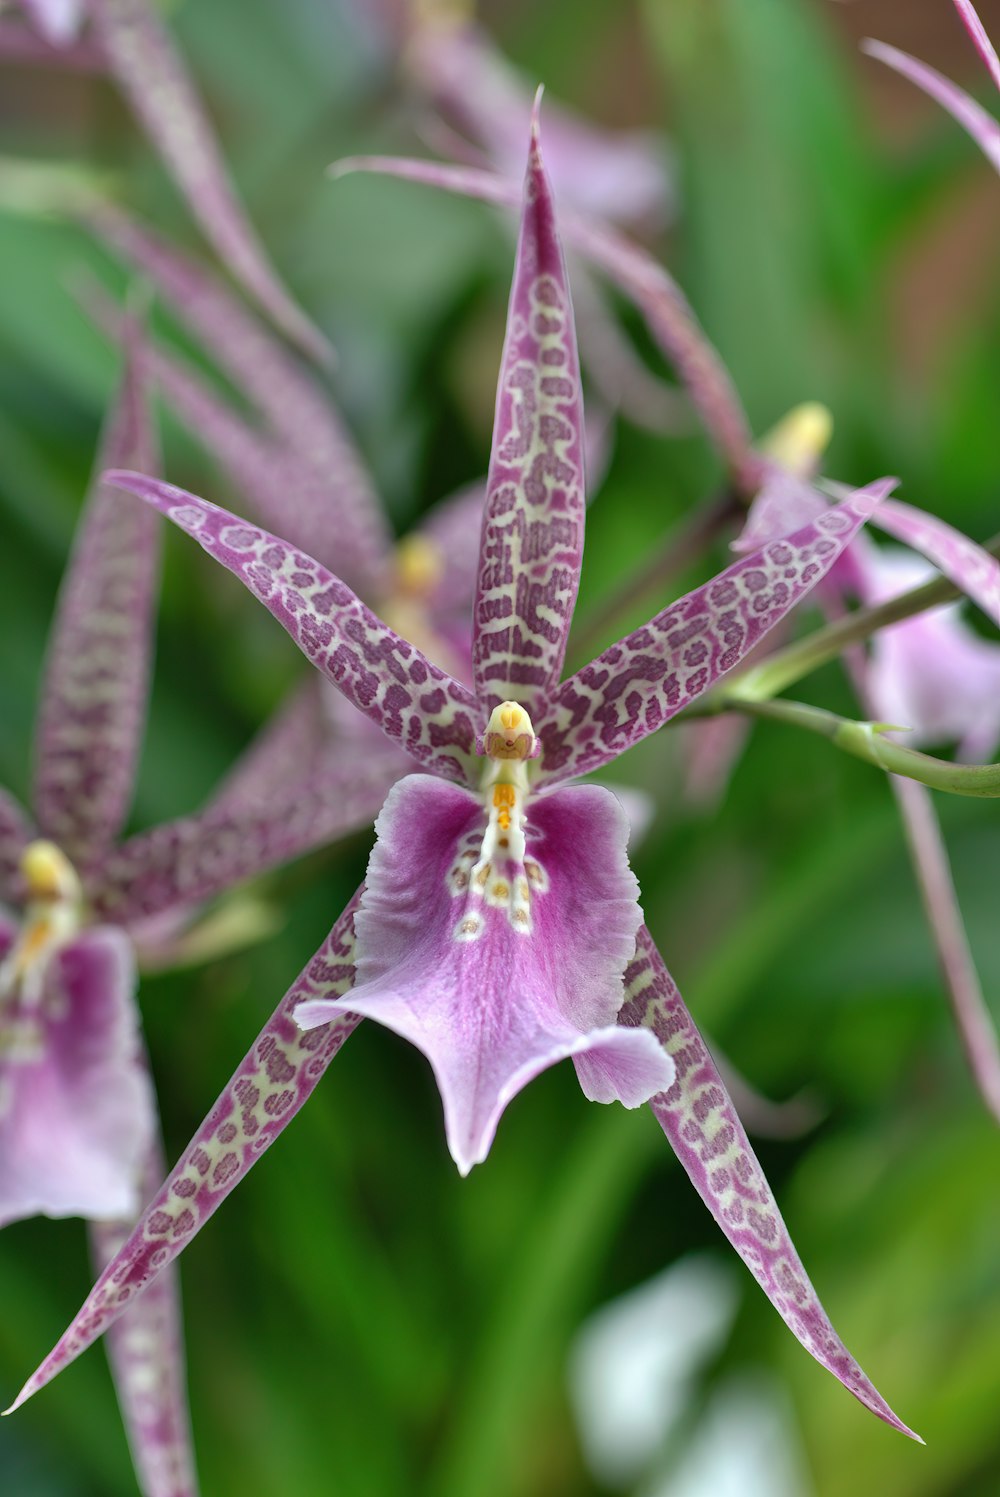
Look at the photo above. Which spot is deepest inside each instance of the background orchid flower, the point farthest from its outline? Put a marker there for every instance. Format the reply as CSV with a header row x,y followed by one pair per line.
x,y
984,129
78,1123
932,675
138,50
498,928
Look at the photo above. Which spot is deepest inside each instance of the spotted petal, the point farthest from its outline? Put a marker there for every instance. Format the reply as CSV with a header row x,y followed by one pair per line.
x,y
496,972
154,79
93,703
708,1138
983,128
532,543
147,1362
637,685
265,1093
414,702
195,858
16,832
76,1107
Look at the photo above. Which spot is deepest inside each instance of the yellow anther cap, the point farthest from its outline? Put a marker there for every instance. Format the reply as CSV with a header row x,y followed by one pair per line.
x,y
48,872
509,734
800,438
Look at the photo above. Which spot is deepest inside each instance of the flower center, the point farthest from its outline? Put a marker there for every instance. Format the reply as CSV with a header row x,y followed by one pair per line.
x,y
53,916
492,867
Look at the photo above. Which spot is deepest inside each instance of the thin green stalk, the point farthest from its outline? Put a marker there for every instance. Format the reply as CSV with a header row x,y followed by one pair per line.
x,y
867,741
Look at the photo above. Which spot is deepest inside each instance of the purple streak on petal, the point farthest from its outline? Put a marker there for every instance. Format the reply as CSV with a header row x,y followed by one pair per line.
x,y
76,1106
496,975
708,1138
620,176
266,1091
983,128
93,702
154,79
532,542
647,284
16,831
944,918
980,40
304,468
184,862
145,1349
19,44
971,568
641,682
415,703
57,20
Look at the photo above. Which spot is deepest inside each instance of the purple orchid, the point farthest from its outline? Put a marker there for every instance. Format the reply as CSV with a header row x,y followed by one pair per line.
x,y
984,129
128,38
499,928
77,1114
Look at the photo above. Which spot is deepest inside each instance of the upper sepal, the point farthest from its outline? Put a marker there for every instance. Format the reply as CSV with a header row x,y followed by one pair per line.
x,y
532,539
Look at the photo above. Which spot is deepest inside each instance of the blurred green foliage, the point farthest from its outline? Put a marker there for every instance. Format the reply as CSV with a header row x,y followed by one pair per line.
x,y
359,1320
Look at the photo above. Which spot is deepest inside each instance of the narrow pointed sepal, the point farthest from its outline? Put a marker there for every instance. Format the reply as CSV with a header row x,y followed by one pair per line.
x,y
983,128
532,541
299,466
146,1353
195,858
497,964
415,703
154,79
644,680
961,560
977,31
93,703
708,1138
266,1091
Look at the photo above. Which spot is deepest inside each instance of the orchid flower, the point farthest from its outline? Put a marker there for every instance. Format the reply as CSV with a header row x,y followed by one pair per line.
x,y
984,129
77,1114
499,928
78,1124
131,41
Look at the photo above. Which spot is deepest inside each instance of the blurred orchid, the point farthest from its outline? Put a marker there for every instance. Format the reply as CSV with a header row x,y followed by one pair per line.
x,y
499,928
931,674
77,1114
622,176
78,1127
984,129
129,39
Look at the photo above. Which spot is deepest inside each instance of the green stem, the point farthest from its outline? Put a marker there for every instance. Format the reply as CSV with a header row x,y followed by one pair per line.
x,y
867,741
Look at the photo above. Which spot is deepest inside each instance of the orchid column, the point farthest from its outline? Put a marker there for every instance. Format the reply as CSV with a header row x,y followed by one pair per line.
x,y
499,928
